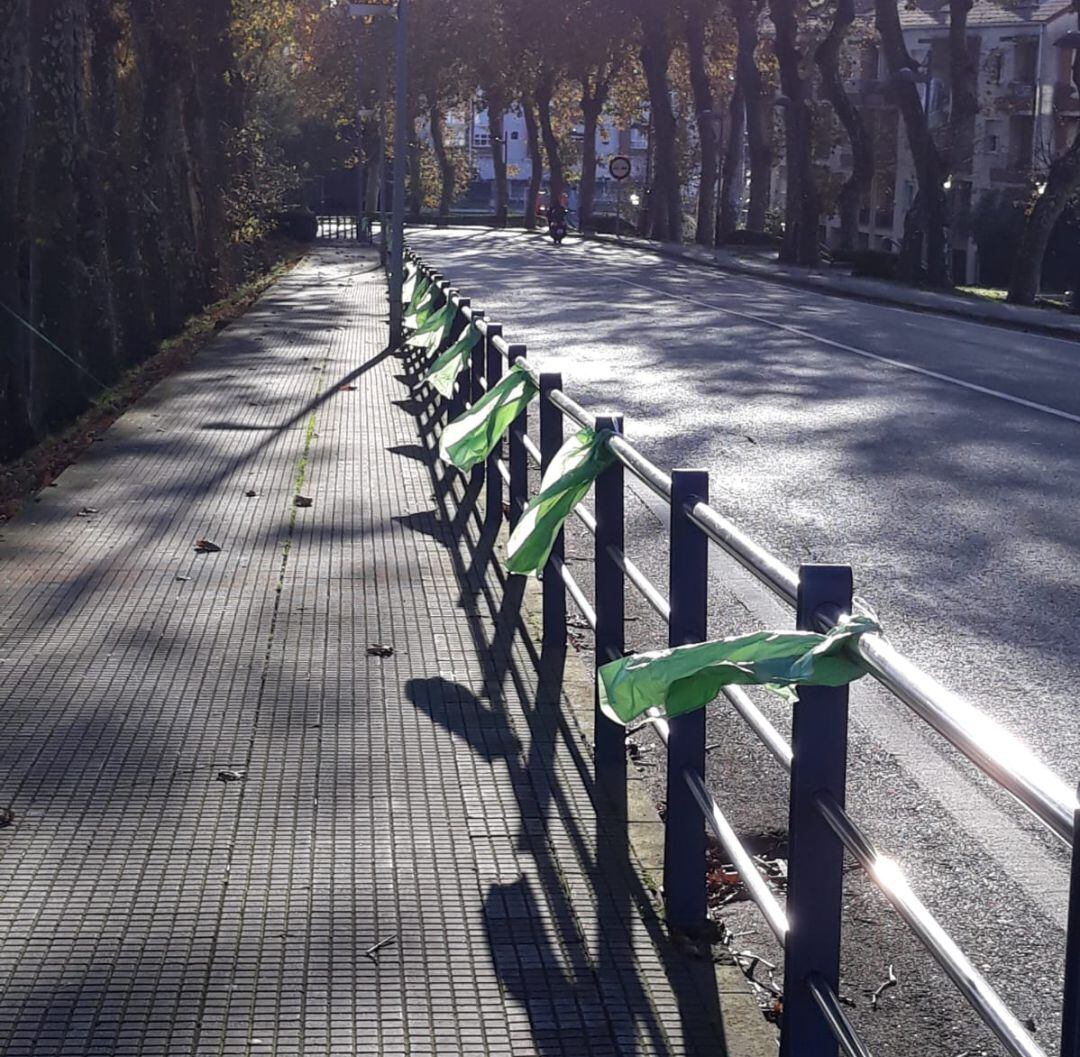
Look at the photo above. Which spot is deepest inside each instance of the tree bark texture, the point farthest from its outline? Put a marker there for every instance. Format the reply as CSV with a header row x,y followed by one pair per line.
x,y
802,215
758,132
1062,183
962,114
116,123
536,159
545,90
857,185
734,170
928,214
707,125
592,105
446,166
665,200
496,109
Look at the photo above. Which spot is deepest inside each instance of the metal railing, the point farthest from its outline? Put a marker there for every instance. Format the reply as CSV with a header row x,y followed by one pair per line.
x,y
814,1023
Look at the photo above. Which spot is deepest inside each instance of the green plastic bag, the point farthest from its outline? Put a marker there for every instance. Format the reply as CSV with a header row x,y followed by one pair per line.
x,y
470,438
687,678
420,304
434,330
572,471
446,367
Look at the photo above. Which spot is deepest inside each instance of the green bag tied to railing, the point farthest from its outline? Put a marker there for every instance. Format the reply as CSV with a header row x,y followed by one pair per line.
x,y
433,331
572,471
687,678
472,436
408,286
420,304
447,366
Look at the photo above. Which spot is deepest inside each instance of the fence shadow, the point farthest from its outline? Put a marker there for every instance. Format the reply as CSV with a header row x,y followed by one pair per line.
x,y
563,944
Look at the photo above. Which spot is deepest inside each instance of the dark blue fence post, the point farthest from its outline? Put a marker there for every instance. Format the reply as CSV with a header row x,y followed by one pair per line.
x,y
461,386
551,439
519,459
493,372
815,854
610,737
1070,1013
684,826
475,384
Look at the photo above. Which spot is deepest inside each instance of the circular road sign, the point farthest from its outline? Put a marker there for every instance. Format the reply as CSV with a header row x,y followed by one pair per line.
x,y
619,167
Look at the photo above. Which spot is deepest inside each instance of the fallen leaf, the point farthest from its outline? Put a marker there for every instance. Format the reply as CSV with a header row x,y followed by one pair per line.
x,y
205,547
86,511
251,493
377,649
303,500
183,579
346,388
7,817
231,776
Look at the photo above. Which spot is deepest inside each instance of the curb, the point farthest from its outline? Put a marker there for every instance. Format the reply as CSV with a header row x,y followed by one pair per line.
x,y
822,284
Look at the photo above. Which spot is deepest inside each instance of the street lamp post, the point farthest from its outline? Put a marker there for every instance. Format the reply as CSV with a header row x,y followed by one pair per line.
x,y
397,233
397,247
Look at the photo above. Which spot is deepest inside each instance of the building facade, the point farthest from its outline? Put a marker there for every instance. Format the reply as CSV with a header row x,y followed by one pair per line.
x,y
1028,113
471,129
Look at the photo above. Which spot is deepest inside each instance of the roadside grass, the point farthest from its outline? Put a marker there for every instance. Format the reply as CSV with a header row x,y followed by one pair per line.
x,y
24,477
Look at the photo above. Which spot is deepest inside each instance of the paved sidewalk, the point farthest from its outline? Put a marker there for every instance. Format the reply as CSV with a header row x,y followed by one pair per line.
x,y
837,284
237,832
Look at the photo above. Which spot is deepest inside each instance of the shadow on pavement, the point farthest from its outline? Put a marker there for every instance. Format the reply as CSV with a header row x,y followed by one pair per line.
x,y
563,941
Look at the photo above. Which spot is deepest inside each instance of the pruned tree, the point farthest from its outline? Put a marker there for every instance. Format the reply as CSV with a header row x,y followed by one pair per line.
x,y
1062,184
751,86
857,185
926,219
802,210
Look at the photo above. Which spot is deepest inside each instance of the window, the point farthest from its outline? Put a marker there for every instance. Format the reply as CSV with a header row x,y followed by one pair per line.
x,y
1025,58
481,138
996,67
515,134
992,142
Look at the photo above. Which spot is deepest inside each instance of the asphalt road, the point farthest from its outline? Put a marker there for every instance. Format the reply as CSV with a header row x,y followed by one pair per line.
x,y
935,455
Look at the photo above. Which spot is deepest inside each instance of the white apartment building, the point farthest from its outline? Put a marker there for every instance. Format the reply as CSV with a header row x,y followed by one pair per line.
x,y
1028,112
471,129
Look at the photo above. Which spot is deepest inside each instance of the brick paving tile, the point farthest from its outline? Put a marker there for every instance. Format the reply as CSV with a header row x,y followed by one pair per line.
x,y
432,801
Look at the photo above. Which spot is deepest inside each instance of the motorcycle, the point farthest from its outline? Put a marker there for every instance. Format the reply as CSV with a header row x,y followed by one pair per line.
x,y
557,231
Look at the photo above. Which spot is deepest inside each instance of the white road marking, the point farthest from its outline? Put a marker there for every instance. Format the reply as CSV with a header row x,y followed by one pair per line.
x,y
899,364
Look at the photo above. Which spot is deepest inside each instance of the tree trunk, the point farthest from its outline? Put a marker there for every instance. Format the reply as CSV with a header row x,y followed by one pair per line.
x,y
446,166
858,183
964,109
707,125
802,216
536,161
929,207
592,105
15,431
416,168
758,133
733,182
545,89
665,200
496,109
1062,182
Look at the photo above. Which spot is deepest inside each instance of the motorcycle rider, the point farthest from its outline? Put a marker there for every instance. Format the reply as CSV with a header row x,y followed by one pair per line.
x,y
557,213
